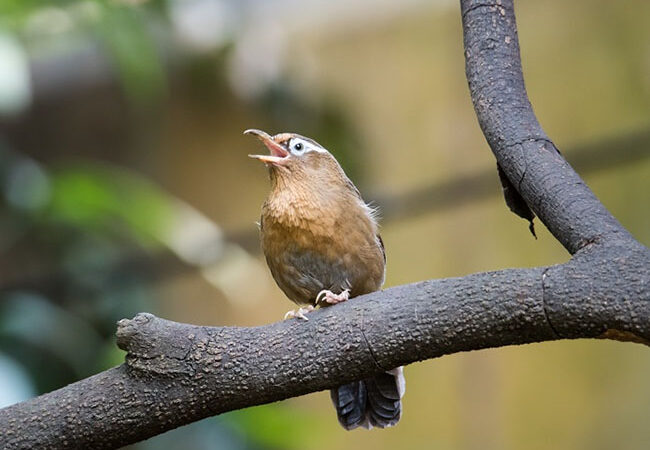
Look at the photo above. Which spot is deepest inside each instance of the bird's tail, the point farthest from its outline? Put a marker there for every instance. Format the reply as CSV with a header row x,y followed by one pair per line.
x,y
373,402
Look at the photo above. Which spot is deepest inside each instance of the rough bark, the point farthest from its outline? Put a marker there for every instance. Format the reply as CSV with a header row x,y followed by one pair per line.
x,y
178,373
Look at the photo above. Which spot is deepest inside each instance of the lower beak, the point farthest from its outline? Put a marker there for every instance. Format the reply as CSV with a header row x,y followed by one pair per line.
x,y
278,152
268,158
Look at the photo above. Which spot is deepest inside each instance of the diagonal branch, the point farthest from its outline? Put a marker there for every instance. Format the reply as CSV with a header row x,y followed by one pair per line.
x,y
178,373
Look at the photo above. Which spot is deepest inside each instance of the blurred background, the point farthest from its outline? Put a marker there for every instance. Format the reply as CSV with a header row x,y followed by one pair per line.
x,y
125,187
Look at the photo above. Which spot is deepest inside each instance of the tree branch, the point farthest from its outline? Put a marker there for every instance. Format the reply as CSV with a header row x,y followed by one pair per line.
x,y
551,187
178,373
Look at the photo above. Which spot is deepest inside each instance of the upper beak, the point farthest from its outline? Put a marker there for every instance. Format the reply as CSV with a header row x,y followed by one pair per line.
x,y
278,152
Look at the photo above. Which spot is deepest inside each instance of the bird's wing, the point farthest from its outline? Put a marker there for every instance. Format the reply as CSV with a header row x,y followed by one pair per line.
x,y
381,245
372,211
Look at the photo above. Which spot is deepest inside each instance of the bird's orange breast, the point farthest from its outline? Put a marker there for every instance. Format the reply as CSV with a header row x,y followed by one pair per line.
x,y
321,240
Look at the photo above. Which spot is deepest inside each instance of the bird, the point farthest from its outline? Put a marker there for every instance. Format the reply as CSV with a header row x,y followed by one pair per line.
x,y
322,245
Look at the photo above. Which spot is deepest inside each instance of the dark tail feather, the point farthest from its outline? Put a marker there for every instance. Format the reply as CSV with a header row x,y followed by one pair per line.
x,y
374,402
384,406
350,403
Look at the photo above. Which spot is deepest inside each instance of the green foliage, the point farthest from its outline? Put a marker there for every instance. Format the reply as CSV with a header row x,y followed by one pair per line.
x,y
83,221
96,197
123,30
14,13
275,425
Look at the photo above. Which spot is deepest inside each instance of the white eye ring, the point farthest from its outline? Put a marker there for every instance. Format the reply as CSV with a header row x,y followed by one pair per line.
x,y
298,147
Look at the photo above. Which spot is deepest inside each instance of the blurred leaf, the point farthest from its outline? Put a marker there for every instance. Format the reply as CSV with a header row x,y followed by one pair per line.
x,y
275,425
14,12
124,28
95,197
125,33
31,318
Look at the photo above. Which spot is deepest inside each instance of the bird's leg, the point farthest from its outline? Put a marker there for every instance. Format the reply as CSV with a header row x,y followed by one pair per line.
x,y
329,297
299,313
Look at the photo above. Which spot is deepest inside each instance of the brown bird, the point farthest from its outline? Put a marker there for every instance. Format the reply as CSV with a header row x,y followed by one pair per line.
x,y
321,242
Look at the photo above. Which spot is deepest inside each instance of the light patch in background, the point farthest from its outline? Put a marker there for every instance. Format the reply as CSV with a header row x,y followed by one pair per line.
x,y
202,25
49,21
259,59
27,186
239,276
199,241
15,86
263,51
14,382
192,236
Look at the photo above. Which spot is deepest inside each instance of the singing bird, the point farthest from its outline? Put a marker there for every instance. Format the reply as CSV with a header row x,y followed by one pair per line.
x,y
322,245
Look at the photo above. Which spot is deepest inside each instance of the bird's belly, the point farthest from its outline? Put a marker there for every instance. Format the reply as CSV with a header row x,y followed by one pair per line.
x,y
302,272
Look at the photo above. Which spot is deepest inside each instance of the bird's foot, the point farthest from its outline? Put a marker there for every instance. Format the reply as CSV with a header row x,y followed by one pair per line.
x,y
299,313
328,296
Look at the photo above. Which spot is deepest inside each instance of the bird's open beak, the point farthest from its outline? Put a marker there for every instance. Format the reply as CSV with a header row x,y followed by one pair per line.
x,y
278,152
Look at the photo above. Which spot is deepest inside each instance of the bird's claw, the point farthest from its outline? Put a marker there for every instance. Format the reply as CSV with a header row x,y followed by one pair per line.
x,y
326,296
299,313
329,297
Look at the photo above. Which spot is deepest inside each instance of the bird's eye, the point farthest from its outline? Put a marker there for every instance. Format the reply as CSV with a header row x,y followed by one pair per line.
x,y
298,148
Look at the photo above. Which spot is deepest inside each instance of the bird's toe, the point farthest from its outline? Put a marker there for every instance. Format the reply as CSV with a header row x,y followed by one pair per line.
x,y
299,313
328,296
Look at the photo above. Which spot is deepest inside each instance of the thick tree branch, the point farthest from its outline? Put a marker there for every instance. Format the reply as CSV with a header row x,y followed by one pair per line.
x,y
533,164
178,373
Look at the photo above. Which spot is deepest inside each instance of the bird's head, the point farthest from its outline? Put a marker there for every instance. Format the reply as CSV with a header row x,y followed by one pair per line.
x,y
294,157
